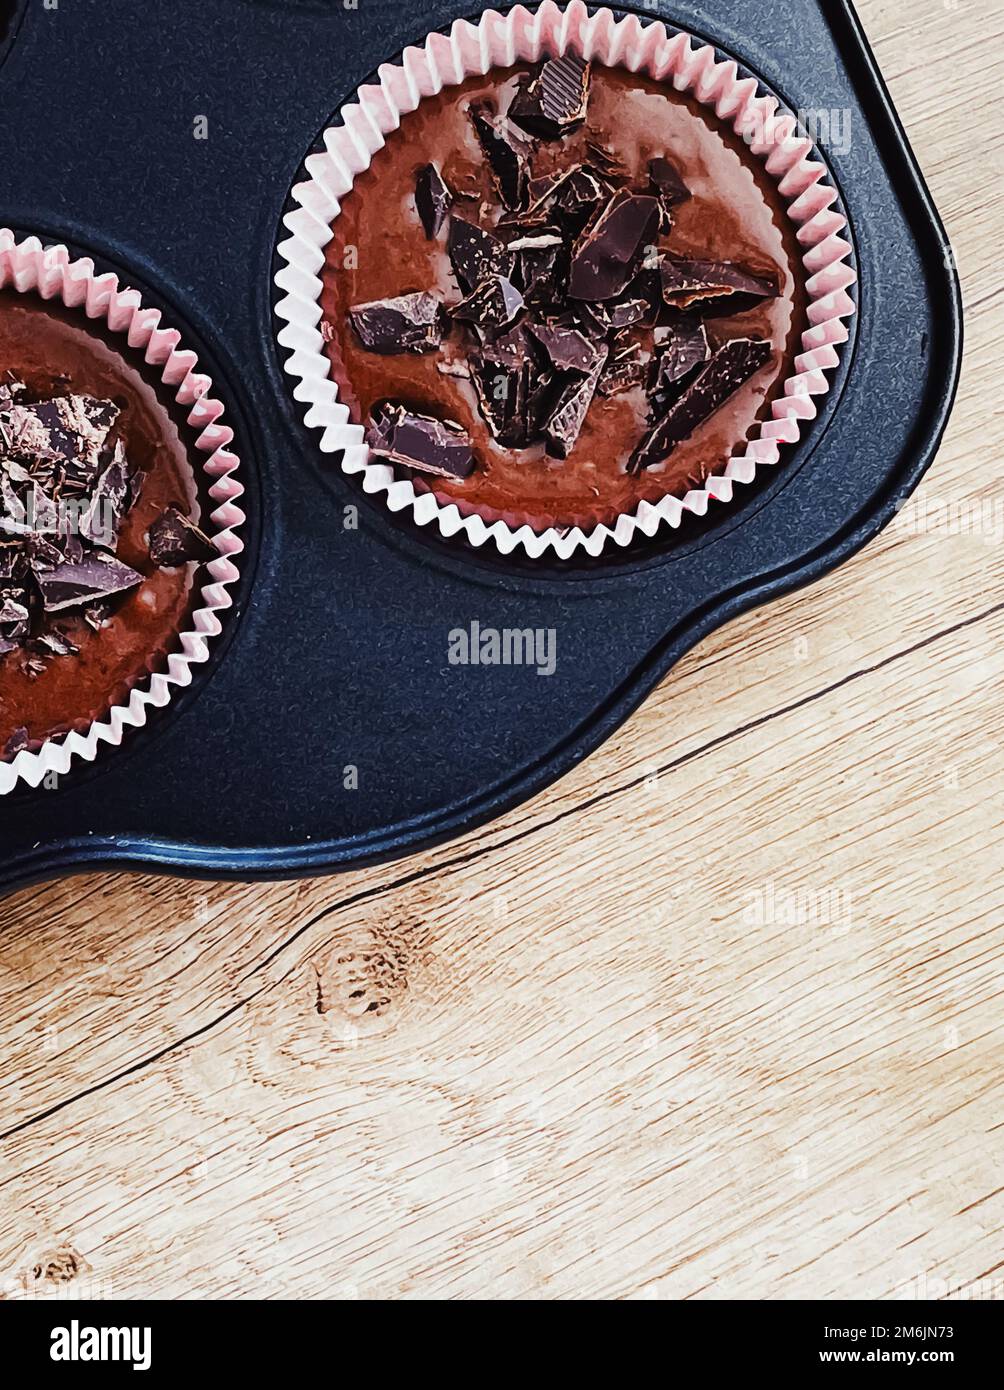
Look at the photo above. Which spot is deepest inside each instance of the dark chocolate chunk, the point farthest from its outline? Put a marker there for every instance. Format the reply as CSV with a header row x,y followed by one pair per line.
x,y
12,610
543,274
606,161
494,304
647,285
507,157
609,251
73,548
512,347
568,417
97,576
433,199
542,397
69,428
503,383
541,191
618,313
628,369
732,364
174,540
11,560
409,323
681,347
99,523
686,281
624,312
419,441
42,554
567,348
476,254
667,182
579,197
17,743
554,101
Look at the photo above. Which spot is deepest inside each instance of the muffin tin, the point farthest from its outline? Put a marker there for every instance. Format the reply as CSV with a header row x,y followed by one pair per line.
x,y
328,728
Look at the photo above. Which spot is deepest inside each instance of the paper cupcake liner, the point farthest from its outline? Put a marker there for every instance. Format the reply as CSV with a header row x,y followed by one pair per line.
x,y
49,271
521,35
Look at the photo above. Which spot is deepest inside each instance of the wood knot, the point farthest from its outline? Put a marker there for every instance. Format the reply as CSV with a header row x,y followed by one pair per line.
x,y
363,977
59,1266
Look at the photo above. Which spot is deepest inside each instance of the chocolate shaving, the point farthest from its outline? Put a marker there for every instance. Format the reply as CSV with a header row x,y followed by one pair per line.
x,y
408,323
97,616
733,363
554,102
542,242
433,199
11,610
421,442
606,161
53,644
11,390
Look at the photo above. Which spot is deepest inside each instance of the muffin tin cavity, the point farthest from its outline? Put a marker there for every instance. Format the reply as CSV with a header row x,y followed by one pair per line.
x,y
593,504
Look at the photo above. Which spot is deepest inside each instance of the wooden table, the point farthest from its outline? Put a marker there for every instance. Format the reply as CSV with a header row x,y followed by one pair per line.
x,y
718,1015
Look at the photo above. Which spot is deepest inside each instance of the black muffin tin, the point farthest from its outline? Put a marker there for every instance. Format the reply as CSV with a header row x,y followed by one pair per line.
x,y
336,653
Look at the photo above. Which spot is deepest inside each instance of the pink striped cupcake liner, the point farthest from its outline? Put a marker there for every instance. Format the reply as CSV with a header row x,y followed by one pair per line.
x,y
522,35
51,273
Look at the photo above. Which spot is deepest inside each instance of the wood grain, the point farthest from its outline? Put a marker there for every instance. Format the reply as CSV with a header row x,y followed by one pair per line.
x,y
718,1015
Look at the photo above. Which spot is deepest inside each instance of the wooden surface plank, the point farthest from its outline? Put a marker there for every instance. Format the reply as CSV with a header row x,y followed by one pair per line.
x,y
718,1015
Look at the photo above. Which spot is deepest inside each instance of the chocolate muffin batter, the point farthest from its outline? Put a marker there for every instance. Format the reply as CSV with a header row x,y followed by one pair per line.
x,y
380,250
55,353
